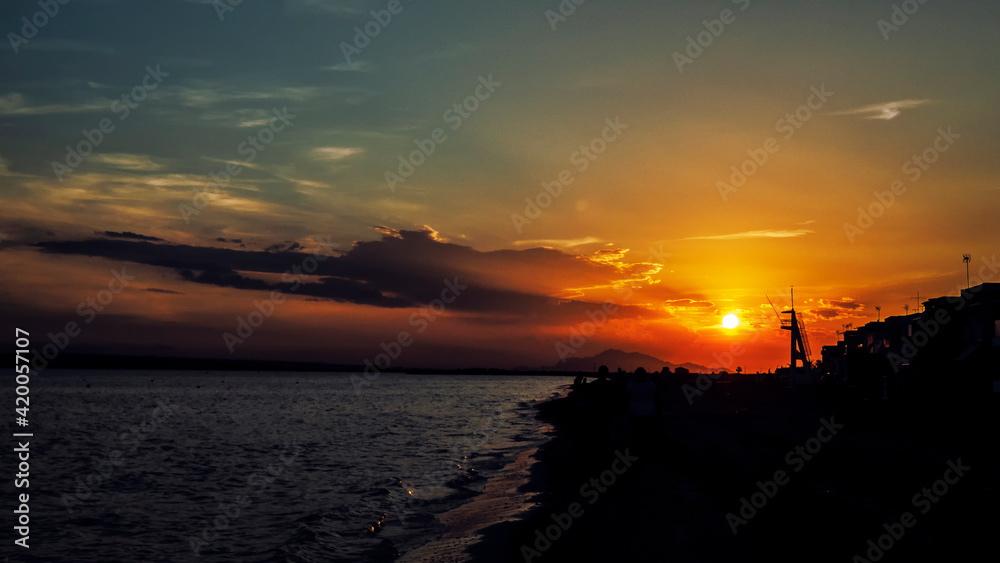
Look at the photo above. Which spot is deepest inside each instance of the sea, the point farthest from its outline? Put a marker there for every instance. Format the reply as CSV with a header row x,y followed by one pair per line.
x,y
269,467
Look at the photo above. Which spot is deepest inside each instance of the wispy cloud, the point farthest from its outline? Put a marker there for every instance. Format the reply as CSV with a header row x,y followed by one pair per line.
x,y
687,303
64,46
565,243
14,104
328,7
885,110
452,51
240,117
124,161
755,234
255,123
334,153
205,94
243,163
356,66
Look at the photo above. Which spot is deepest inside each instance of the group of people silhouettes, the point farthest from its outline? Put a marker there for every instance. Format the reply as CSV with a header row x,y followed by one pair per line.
x,y
629,407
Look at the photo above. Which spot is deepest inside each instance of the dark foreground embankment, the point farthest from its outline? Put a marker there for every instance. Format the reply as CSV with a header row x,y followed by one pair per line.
x,y
759,472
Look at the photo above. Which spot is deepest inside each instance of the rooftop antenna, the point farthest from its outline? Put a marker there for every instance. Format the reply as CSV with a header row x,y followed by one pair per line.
x,y
878,309
967,258
918,302
907,308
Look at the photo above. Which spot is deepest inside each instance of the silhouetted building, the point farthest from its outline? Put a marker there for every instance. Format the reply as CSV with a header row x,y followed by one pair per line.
x,y
953,346
834,366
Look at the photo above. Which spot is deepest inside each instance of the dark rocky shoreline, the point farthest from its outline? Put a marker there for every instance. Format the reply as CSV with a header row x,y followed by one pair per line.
x,y
738,439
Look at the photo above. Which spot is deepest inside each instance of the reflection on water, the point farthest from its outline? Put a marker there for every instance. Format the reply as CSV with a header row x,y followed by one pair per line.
x,y
158,466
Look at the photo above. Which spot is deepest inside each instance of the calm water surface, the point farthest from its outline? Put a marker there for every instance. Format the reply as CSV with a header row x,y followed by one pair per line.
x,y
186,466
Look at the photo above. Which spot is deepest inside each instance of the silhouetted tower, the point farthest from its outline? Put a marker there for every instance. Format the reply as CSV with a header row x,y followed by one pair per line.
x,y
967,258
799,340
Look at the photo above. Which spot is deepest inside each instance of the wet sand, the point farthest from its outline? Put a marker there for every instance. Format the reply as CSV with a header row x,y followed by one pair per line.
x,y
870,465
501,501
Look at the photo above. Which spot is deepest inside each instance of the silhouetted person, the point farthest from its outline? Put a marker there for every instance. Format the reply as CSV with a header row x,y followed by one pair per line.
x,y
642,411
598,389
602,381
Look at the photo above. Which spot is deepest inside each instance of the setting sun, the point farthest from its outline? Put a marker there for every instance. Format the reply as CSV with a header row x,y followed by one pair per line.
x,y
730,321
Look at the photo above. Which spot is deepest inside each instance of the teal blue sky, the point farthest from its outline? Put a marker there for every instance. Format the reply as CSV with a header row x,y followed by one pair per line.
x,y
555,82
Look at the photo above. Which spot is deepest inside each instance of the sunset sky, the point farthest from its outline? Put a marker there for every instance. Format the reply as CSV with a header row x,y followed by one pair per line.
x,y
644,125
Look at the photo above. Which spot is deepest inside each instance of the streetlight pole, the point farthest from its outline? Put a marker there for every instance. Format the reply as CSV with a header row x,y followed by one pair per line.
x,y
967,258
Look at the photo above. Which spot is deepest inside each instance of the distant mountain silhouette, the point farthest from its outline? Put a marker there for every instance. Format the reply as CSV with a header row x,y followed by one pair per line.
x,y
628,361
